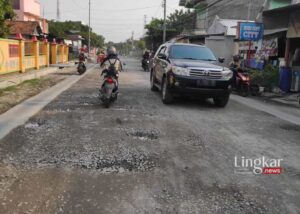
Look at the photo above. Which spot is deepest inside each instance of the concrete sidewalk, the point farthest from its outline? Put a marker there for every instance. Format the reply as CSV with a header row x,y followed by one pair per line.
x,y
291,99
16,78
33,105
287,113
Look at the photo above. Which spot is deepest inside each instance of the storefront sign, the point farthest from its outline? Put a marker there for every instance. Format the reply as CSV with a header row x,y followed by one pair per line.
x,y
250,31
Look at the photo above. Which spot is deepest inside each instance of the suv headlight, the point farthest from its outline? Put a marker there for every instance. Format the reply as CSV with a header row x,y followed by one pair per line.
x,y
180,71
226,74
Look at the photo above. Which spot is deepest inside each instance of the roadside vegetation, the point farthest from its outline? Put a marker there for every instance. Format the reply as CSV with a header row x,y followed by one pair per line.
x,y
62,29
6,12
14,95
268,78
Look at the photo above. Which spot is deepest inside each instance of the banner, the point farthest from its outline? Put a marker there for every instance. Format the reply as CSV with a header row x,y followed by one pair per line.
x,y
250,31
269,48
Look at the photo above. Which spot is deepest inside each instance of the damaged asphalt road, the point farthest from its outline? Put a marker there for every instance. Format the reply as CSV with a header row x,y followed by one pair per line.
x,y
141,156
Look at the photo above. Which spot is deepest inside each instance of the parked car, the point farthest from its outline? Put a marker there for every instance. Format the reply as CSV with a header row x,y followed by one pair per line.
x,y
188,69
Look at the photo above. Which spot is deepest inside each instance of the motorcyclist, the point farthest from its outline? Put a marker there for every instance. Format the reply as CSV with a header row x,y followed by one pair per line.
x,y
146,57
82,58
235,65
112,63
112,59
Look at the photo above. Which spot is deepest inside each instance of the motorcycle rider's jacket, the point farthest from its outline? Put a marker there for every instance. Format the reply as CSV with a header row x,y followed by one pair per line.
x,y
112,60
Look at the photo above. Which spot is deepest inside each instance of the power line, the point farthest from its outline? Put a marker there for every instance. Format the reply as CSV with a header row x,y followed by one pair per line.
x,y
132,9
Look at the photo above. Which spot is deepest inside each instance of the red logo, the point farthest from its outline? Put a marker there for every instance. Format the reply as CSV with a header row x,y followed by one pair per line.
x,y
272,170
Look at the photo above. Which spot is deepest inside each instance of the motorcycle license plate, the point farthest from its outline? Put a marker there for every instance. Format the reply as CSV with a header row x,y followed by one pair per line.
x,y
204,82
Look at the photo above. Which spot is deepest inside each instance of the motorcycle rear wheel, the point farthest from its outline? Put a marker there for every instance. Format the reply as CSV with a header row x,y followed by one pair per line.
x,y
106,103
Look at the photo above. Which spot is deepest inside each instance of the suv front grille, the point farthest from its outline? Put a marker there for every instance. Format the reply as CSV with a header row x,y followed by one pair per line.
x,y
208,74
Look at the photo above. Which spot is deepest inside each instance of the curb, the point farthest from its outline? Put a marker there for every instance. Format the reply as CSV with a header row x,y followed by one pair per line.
x,y
19,78
19,114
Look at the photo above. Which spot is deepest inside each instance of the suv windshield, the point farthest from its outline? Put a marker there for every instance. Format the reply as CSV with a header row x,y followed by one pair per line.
x,y
191,52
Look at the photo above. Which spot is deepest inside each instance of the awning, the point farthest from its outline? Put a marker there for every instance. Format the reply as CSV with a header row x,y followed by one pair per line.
x,y
273,31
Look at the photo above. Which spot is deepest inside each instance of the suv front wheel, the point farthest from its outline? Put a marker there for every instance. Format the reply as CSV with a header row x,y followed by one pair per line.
x,y
166,94
221,101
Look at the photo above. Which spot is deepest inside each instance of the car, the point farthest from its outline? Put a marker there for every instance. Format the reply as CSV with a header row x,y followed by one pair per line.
x,y
190,70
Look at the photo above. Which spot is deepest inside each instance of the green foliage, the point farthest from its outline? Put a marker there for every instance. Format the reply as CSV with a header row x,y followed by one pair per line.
x,y
141,44
61,29
177,23
181,22
6,12
256,77
271,76
268,78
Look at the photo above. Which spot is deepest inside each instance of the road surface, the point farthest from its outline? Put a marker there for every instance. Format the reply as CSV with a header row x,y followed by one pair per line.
x,y
141,156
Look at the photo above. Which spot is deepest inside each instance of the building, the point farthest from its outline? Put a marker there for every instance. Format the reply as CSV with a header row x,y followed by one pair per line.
x,y
207,10
281,43
26,28
29,10
221,37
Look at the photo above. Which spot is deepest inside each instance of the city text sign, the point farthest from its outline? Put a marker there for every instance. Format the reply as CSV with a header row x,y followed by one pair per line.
x,y
250,31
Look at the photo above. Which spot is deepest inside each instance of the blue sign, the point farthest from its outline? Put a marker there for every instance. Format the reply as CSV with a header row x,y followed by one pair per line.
x,y
251,31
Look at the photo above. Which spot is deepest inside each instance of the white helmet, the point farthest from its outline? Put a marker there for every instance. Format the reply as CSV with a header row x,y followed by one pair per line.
x,y
111,50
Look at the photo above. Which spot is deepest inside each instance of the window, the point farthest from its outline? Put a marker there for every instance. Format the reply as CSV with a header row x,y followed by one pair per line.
x,y
29,49
13,50
192,52
41,48
15,4
162,50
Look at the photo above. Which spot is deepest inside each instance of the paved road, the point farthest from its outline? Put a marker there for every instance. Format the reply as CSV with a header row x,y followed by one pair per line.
x,y
141,156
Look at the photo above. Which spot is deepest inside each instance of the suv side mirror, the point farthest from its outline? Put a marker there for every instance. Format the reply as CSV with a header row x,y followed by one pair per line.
x,y
162,56
221,59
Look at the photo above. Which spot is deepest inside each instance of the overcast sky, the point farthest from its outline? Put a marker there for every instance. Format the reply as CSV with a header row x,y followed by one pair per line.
x,y
114,19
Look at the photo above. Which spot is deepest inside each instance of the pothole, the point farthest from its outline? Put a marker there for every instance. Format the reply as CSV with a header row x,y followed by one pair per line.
x,y
88,159
143,134
135,163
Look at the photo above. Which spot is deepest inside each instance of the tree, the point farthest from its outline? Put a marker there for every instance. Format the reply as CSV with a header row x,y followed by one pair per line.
x,y
154,34
61,30
181,22
141,44
6,12
177,23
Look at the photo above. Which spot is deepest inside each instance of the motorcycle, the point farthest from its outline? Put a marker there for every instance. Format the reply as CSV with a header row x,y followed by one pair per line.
x,y
146,64
81,68
241,82
109,90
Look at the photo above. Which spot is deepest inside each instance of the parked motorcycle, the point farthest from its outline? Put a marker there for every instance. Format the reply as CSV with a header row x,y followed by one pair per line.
x,y
109,90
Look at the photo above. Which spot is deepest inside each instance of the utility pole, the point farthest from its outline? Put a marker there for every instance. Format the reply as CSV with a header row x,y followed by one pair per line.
x,y
165,21
58,10
249,10
89,28
261,11
145,23
132,40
